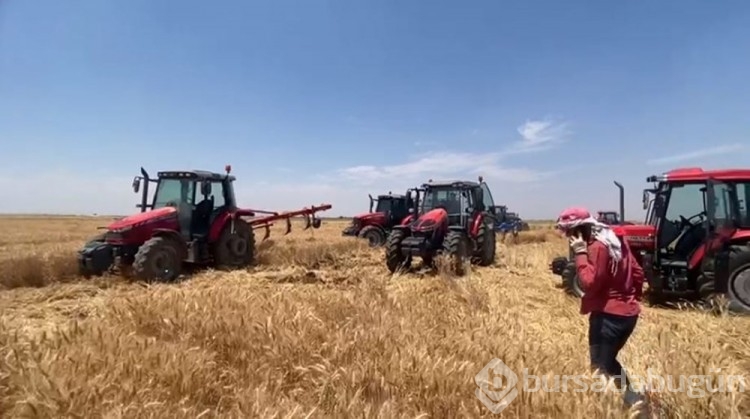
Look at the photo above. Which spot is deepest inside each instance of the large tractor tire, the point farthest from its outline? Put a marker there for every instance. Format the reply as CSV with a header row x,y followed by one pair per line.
x,y
235,247
571,281
158,259
739,280
738,284
486,246
456,249
394,259
375,236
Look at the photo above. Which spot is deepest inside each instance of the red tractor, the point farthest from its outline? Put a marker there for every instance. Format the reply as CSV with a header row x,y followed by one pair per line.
x,y
455,219
375,226
695,243
193,218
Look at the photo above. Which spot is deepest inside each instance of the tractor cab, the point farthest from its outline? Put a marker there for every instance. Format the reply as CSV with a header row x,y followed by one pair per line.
x,y
198,196
608,217
700,228
461,200
394,207
501,212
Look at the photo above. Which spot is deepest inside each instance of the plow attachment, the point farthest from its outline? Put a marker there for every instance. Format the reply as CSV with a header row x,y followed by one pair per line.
x,y
265,222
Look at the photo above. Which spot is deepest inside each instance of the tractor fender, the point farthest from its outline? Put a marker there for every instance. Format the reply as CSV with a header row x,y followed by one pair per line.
x,y
476,225
741,236
408,219
221,221
402,227
173,236
217,226
738,239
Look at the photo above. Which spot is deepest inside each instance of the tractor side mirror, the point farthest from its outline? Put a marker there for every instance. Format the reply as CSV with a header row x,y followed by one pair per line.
x,y
645,199
206,188
136,184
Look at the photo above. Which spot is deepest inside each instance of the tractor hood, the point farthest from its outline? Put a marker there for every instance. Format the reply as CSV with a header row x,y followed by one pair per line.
x,y
370,218
142,218
431,220
638,236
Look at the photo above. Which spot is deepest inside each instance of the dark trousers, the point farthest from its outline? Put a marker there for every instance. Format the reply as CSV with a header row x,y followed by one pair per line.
x,y
608,333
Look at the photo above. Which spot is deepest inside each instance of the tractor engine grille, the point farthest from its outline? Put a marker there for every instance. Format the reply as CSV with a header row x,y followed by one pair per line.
x,y
113,237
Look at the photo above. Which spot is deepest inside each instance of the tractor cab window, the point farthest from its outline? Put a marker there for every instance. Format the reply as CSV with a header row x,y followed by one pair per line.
x,y
743,198
399,207
487,196
683,202
217,192
173,192
451,199
384,205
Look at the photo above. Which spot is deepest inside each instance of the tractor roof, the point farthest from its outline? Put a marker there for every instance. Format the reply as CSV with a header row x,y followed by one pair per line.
x,y
688,174
194,174
458,184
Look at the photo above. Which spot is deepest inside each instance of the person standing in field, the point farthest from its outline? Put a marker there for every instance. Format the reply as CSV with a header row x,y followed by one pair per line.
x,y
612,281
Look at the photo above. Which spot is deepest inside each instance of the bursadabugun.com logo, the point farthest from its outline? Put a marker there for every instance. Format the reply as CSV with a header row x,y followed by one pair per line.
x,y
498,384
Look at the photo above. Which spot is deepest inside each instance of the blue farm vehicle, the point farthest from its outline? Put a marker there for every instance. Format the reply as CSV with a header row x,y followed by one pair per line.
x,y
508,222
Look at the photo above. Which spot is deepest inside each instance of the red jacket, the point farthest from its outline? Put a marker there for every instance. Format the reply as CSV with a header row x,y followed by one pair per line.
x,y
603,291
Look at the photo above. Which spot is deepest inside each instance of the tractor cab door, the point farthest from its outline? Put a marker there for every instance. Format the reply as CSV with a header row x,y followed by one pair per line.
x,y
722,212
723,215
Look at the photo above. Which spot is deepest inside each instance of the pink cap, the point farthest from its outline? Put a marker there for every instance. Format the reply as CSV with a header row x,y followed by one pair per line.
x,y
571,216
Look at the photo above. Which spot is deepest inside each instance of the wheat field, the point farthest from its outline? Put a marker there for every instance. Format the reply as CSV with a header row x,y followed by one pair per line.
x,y
319,328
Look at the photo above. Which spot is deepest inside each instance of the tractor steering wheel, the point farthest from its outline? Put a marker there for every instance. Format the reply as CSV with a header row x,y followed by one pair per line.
x,y
685,222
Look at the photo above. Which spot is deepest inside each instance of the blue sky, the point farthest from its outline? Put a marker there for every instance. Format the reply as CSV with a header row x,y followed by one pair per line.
x,y
326,101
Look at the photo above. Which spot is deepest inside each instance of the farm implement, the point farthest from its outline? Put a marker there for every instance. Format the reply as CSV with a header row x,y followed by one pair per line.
x,y
695,242
375,226
454,219
192,219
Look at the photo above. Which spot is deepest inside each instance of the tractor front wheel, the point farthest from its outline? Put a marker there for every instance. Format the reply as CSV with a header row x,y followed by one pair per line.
x,y
571,280
394,258
375,236
456,248
236,245
158,259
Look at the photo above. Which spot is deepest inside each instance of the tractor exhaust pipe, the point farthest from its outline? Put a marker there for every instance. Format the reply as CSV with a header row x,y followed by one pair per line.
x,y
622,201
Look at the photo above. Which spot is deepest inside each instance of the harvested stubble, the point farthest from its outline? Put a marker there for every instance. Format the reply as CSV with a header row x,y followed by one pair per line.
x,y
320,328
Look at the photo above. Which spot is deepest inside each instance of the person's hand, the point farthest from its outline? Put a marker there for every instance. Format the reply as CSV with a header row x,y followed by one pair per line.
x,y
577,244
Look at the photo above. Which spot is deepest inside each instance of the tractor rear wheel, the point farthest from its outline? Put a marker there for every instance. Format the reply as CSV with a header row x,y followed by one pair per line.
x,y
158,259
394,259
456,248
236,246
571,280
486,246
375,236
738,284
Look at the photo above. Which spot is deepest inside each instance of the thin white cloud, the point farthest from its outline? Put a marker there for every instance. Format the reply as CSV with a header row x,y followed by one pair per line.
x,y
537,135
442,165
697,154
